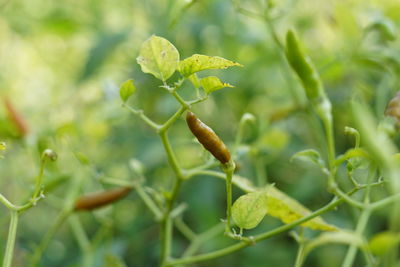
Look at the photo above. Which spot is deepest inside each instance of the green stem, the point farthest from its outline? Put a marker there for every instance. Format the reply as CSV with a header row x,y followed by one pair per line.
x,y
181,101
171,155
301,253
149,202
363,221
101,234
347,198
210,233
272,31
48,236
229,174
300,256
68,202
141,115
384,202
202,238
394,220
184,229
171,120
39,179
174,194
327,121
7,203
198,100
38,188
240,132
240,182
178,210
361,225
82,240
166,239
166,225
12,233
193,171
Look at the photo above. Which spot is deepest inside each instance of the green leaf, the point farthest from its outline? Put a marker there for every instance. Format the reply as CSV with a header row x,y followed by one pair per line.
x,y
213,83
383,242
289,210
126,90
310,155
341,237
357,158
158,57
385,27
248,210
196,63
113,261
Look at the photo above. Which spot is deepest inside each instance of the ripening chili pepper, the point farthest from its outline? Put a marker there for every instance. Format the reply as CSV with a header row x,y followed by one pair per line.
x,y
393,108
16,118
97,200
302,65
208,138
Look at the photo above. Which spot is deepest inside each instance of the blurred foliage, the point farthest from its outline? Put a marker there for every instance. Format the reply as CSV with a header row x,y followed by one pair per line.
x,y
61,64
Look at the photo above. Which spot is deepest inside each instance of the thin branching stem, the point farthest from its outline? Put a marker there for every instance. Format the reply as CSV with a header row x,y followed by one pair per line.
x,y
12,234
240,245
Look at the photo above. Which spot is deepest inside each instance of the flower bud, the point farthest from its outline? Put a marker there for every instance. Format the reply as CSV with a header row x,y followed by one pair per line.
x,y
50,154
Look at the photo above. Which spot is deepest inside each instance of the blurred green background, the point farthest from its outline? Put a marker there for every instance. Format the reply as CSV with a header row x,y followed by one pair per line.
x,y
61,64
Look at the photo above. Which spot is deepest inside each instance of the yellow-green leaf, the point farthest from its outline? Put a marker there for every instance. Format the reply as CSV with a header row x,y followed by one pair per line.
x,y
196,63
383,242
126,90
212,83
248,210
289,210
158,57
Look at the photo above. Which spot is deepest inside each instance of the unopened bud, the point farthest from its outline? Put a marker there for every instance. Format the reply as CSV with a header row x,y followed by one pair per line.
x,y
48,153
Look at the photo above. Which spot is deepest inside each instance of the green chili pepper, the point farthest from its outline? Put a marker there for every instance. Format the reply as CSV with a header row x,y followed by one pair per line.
x,y
303,67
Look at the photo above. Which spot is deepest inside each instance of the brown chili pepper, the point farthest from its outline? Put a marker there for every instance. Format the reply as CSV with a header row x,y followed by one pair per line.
x,y
97,200
393,108
208,138
16,118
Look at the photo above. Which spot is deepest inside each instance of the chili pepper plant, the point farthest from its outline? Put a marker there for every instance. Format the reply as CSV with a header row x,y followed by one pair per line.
x,y
354,179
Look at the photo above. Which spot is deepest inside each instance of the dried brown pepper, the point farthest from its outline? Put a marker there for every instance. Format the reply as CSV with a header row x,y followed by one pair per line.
x,y
393,108
16,118
208,138
100,199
